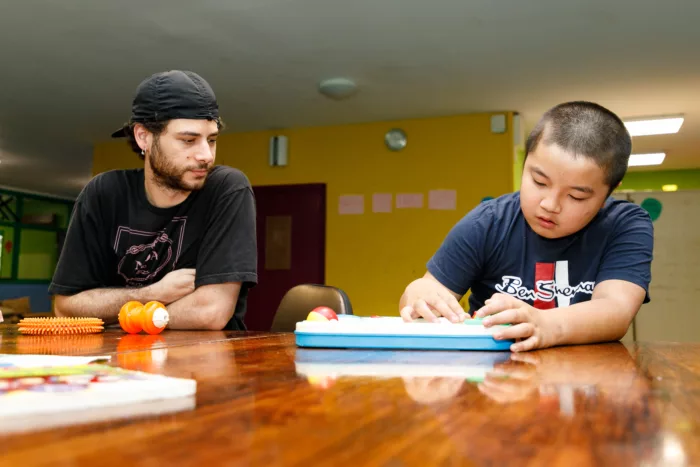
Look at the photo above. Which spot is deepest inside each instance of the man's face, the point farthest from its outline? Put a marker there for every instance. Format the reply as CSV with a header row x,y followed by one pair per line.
x,y
182,156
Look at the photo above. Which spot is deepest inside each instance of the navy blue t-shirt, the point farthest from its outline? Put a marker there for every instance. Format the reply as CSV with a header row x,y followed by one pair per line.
x,y
493,249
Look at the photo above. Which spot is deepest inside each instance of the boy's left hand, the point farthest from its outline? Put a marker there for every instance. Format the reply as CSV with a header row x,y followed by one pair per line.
x,y
529,327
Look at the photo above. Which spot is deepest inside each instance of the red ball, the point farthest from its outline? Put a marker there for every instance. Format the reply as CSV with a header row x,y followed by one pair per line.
x,y
327,312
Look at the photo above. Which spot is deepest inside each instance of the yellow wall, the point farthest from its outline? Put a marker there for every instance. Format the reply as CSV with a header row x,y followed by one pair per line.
x,y
374,256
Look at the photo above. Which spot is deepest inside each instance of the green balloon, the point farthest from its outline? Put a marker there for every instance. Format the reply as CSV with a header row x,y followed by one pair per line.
x,y
653,207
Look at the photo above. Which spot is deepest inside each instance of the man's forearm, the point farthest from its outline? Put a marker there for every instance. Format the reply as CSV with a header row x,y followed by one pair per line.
x,y
210,307
99,303
598,320
195,311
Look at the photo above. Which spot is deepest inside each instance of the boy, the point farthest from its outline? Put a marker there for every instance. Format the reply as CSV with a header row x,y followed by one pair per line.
x,y
560,260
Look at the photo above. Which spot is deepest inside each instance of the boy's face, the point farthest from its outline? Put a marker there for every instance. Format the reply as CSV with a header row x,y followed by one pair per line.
x,y
560,194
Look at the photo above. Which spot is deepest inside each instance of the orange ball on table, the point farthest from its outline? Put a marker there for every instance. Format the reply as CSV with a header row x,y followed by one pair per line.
x,y
128,318
151,317
154,317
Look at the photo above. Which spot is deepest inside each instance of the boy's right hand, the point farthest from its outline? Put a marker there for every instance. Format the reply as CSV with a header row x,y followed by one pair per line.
x,y
427,298
174,286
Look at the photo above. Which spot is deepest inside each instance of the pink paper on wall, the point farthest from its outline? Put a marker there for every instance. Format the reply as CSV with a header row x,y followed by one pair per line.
x,y
351,204
381,202
442,199
409,200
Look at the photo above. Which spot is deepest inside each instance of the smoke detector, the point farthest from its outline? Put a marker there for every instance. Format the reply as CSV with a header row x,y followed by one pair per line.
x,y
337,88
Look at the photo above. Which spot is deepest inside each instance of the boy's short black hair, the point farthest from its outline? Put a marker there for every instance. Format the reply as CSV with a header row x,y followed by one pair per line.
x,y
589,130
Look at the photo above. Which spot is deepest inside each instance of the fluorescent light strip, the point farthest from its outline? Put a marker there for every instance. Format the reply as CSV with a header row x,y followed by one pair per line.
x,y
658,126
654,158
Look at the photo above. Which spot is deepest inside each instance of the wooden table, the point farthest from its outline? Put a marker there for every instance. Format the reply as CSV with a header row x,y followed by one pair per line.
x,y
588,405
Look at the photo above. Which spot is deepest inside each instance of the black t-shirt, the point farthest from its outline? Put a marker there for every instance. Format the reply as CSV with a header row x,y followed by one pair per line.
x,y
116,238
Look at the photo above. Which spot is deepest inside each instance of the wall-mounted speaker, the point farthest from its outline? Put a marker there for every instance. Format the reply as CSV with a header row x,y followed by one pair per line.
x,y
278,151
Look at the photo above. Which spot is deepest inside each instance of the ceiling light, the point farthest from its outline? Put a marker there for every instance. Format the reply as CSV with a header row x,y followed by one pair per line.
x,y
656,126
337,88
655,158
670,188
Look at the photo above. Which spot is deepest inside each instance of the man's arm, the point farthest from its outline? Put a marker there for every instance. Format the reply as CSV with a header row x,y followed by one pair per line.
x,y
105,303
97,303
210,307
226,260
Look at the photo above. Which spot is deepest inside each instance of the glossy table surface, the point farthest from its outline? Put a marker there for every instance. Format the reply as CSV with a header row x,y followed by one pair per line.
x,y
262,401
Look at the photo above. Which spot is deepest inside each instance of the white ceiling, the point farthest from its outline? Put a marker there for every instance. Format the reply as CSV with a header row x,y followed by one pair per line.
x,y
69,68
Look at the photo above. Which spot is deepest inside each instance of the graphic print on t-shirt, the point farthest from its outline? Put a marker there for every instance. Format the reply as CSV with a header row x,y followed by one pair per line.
x,y
552,287
148,255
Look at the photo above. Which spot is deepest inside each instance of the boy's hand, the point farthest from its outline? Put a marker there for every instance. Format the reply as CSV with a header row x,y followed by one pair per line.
x,y
529,327
427,298
511,381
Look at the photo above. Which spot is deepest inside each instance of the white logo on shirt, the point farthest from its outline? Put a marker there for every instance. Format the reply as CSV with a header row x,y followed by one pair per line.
x,y
546,291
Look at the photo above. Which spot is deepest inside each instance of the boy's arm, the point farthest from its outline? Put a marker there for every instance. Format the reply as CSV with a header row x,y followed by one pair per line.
x,y
622,285
451,271
606,317
428,298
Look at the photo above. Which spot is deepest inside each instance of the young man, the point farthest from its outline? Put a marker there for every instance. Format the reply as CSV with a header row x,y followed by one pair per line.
x,y
560,260
180,231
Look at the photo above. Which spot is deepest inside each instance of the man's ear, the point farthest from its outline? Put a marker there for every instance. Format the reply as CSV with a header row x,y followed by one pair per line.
x,y
142,136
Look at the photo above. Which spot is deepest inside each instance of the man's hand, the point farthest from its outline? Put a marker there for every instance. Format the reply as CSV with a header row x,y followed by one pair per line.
x,y
174,286
530,327
427,298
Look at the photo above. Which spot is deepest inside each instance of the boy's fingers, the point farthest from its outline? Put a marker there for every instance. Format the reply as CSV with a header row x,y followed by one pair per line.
x,y
422,309
456,308
526,345
407,313
438,304
518,331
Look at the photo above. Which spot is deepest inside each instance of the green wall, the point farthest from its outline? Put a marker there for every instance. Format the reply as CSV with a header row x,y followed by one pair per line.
x,y
685,179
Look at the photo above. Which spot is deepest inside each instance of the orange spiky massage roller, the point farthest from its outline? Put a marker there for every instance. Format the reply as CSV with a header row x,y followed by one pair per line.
x,y
60,326
151,317
60,345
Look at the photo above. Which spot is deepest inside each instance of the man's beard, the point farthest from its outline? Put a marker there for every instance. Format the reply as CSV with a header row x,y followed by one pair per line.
x,y
168,176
